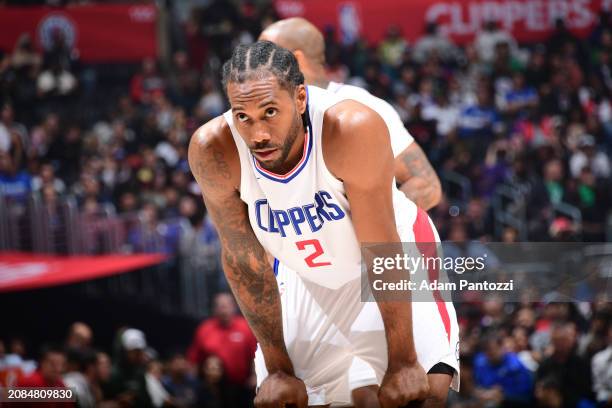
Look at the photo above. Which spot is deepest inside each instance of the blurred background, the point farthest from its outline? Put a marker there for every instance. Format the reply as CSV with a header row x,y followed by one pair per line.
x,y
511,101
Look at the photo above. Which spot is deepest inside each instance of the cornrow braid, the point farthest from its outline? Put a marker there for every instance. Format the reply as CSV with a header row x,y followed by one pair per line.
x,y
260,59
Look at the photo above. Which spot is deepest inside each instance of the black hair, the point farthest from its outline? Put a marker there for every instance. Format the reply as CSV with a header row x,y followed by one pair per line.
x,y
259,59
49,348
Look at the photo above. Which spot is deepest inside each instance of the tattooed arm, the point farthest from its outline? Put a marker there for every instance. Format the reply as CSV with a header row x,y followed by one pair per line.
x,y
214,162
417,179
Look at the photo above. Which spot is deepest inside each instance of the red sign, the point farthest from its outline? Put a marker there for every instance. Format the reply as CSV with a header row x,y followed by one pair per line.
x,y
23,271
99,33
460,20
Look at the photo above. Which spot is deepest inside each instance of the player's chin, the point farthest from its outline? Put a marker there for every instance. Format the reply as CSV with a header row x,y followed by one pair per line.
x,y
270,161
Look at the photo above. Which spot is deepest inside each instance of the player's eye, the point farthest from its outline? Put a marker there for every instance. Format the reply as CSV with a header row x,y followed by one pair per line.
x,y
270,112
242,117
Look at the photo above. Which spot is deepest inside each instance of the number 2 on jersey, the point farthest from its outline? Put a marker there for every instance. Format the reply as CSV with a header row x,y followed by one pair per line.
x,y
318,251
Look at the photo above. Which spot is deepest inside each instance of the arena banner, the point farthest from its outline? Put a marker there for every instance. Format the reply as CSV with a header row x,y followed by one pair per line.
x,y
98,33
24,271
460,20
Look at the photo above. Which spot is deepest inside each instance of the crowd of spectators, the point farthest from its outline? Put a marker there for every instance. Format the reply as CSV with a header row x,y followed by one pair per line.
x,y
536,118
215,371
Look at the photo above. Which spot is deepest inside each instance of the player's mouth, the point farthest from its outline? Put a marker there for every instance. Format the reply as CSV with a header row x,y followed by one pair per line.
x,y
264,154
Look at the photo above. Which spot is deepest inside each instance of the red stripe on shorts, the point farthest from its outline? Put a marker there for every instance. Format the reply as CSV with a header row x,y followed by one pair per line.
x,y
423,234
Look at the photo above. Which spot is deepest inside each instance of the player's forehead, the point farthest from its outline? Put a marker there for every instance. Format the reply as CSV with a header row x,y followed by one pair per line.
x,y
255,91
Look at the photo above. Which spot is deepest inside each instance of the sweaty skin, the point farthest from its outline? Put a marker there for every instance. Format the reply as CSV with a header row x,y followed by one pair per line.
x,y
413,172
266,115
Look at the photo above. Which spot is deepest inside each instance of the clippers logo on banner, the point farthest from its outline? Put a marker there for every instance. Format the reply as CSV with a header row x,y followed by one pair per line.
x,y
55,24
97,32
461,20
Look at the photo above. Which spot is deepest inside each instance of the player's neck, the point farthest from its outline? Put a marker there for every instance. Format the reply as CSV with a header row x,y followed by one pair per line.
x,y
318,78
321,82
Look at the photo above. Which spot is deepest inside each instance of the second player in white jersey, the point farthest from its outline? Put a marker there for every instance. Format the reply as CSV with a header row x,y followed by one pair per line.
x,y
399,136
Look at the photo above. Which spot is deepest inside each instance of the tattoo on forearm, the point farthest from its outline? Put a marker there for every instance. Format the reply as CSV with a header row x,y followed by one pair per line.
x,y
422,185
245,262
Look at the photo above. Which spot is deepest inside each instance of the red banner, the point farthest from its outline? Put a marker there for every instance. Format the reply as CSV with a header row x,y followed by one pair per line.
x,y
460,20
23,271
99,33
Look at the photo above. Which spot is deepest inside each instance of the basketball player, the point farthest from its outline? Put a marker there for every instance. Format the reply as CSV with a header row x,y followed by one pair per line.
x,y
413,172
281,173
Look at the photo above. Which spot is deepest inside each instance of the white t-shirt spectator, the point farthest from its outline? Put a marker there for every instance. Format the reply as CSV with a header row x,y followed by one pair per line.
x,y
601,366
64,83
599,164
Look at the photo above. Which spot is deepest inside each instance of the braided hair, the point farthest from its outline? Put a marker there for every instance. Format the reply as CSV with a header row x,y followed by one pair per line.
x,y
259,60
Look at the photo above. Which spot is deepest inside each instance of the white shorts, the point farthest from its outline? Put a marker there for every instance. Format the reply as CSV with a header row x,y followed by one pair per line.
x,y
337,343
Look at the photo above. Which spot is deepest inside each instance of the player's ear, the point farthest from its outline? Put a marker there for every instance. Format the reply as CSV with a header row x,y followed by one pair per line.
x,y
301,98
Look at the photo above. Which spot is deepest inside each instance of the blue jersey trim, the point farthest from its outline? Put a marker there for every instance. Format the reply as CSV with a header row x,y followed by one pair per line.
x,y
275,267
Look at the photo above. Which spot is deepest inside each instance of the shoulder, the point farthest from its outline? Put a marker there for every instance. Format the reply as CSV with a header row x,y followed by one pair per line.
x,y
344,124
349,116
214,133
213,155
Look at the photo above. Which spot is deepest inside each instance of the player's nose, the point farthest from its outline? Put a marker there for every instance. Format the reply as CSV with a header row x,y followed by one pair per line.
x,y
261,134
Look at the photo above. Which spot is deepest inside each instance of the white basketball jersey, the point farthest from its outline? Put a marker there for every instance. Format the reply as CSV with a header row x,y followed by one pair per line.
x,y
303,217
400,137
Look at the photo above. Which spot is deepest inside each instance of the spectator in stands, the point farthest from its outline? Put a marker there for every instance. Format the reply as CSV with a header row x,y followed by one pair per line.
x,y
229,337
215,391
147,83
46,177
11,141
153,379
570,370
500,375
15,184
212,102
392,47
127,383
51,366
24,55
602,373
589,156
548,393
179,382
595,340
103,387
553,180
81,375
488,38
42,136
183,81
79,336
520,98
56,83
433,43
520,343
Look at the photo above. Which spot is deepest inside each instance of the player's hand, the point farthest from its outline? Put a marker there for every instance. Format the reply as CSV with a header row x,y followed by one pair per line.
x,y
403,384
281,390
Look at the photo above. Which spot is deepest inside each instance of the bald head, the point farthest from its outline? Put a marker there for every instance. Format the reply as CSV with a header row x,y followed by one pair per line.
x,y
297,34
